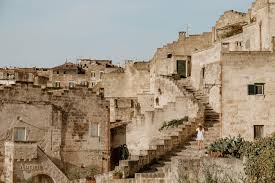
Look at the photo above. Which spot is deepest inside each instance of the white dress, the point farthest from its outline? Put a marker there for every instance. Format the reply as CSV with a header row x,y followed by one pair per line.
x,y
200,134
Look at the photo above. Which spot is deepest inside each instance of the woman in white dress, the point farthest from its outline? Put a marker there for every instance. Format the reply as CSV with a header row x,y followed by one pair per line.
x,y
200,136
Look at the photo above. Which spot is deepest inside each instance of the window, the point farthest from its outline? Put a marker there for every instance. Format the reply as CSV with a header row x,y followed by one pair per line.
x,y
132,104
94,130
100,74
20,134
56,84
159,90
259,89
71,84
93,74
157,101
169,55
116,106
258,131
83,83
239,43
93,84
57,72
256,89
203,72
101,92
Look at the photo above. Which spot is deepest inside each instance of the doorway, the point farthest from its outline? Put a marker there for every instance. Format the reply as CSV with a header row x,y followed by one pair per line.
x,y
182,68
41,178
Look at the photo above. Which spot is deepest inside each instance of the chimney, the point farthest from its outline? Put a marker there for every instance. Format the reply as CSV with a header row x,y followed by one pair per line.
x,y
182,35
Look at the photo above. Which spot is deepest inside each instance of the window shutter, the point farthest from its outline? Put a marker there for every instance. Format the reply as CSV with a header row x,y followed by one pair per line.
x,y
251,90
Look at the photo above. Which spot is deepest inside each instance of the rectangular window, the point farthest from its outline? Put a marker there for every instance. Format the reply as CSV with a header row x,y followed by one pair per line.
x,y
71,84
20,134
258,131
56,84
100,74
116,105
256,89
93,74
94,130
203,72
83,83
259,89
132,104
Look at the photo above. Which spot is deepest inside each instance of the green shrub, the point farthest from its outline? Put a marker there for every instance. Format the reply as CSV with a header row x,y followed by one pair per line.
x,y
260,156
173,124
229,146
260,162
117,173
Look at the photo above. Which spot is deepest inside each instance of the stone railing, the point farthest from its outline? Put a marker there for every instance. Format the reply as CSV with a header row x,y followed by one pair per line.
x,y
22,150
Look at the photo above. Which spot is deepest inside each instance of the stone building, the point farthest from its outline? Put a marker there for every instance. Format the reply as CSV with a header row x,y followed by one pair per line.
x,y
85,72
68,129
222,79
38,76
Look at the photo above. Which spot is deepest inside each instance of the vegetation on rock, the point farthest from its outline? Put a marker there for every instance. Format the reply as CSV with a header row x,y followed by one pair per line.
x,y
260,160
173,123
259,156
228,146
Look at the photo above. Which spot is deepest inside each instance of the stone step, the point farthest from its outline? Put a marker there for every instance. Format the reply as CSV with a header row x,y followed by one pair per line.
x,y
150,175
211,117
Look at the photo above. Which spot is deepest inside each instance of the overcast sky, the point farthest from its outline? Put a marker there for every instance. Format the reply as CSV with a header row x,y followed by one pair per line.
x,y
44,33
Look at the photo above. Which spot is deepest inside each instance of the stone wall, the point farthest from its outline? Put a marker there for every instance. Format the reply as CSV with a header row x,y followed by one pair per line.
x,y
146,102
127,83
21,169
212,85
200,60
207,170
162,64
240,111
122,109
145,128
60,121
166,91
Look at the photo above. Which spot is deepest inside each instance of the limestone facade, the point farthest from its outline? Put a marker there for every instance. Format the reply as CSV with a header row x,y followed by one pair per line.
x,y
71,126
82,110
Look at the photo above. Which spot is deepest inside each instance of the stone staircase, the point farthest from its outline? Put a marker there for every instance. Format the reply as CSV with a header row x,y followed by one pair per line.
x,y
154,164
161,169
210,115
138,162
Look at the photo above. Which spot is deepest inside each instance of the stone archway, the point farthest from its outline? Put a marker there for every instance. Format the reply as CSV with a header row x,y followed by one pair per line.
x,y
40,178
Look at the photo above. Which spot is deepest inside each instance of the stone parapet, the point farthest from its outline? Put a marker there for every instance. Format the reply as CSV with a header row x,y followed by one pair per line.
x,y
22,150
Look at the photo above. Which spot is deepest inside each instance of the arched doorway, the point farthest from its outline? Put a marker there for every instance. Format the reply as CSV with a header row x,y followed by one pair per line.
x,y
41,178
